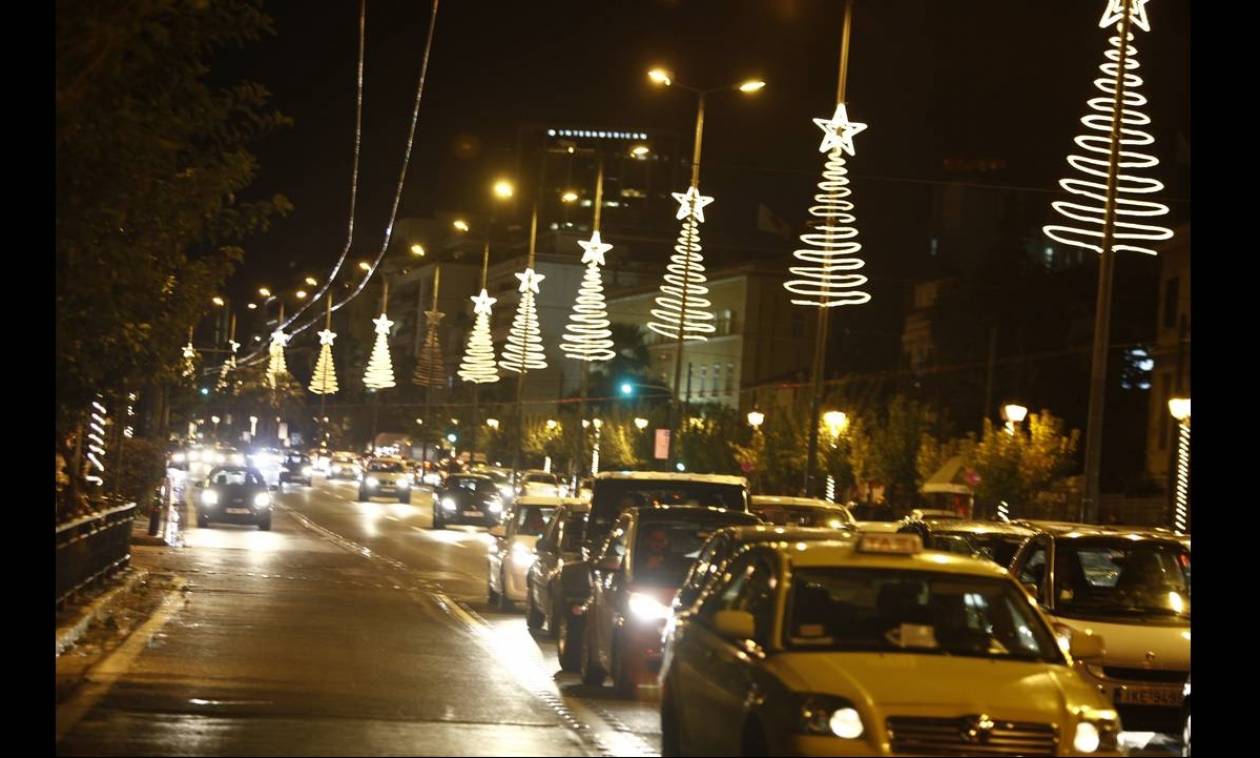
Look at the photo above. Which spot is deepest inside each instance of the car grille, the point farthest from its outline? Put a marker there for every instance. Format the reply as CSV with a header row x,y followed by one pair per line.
x,y
1146,675
945,736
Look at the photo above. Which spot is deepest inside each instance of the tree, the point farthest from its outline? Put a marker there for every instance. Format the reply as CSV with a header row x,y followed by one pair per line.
x,y
1013,468
891,452
151,161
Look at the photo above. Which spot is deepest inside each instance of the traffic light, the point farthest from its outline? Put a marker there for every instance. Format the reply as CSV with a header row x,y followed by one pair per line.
x,y
627,388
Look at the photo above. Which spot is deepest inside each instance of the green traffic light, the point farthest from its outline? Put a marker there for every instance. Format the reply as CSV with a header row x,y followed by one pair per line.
x,y
627,388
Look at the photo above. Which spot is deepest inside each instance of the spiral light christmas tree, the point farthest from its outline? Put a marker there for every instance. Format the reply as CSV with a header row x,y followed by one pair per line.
x,y
680,311
1084,227
228,367
324,378
190,356
478,364
96,442
587,336
380,370
524,349
430,368
275,359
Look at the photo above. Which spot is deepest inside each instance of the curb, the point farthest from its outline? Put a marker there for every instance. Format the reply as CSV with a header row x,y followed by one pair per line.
x,y
69,634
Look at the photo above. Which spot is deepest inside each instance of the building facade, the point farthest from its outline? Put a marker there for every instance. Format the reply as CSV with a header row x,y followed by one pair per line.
x,y
1171,354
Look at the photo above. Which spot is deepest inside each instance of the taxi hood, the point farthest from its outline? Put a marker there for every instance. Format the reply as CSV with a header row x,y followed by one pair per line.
x,y
916,684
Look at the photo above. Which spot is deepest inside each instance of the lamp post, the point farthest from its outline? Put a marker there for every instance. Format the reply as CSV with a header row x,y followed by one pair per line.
x,y
836,422
755,419
691,210
1013,414
1179,407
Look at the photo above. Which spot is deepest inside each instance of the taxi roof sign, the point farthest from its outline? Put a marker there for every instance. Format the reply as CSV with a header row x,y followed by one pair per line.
x,y
891,544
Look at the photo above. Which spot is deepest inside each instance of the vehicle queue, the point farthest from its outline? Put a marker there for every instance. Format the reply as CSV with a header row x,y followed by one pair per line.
x,y
782,626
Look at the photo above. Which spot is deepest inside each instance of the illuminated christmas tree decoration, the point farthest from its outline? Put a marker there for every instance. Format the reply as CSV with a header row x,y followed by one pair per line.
x,y
228,366
275,363
190,359
1086,216
324,379
1181,515
678,313
831,488
831,245
380,370
587,336
96,442
430,368
524,349
478,364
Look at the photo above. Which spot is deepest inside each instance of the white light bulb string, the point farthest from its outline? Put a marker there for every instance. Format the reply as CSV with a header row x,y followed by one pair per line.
x,y
1182,514
832,245
478,365
524,351
685,265
587,336
380,369
398,190
1129,234
324,378
430,368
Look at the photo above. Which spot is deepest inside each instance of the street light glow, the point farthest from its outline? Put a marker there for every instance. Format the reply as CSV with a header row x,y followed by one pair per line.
x,y
1014,413
836,422
569,197
417,249
552,423
660,76
217,301
503,189
311,281
460,225
264,292
756,419
1179,407
752,85
640,151
300,294
365,266
627,388
252,306
641,423
493,423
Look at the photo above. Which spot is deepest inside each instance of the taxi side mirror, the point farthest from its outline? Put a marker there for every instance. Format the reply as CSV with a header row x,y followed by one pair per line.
x,y
498,531
734,625
1086,645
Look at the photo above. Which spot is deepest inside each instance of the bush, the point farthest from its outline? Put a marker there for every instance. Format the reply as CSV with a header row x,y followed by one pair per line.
x,y
140,472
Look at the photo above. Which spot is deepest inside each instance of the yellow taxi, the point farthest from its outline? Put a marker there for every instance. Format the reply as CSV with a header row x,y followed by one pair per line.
x,y
872,645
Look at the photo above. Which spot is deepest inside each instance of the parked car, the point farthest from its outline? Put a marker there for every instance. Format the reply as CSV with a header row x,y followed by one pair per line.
x,y
236,494
932,514
385,477
509,562
559,545
1132,586
993,540
296,469
467,498
781,510
633,579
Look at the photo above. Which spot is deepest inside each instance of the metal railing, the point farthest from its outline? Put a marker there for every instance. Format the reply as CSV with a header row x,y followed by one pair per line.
x,y
92,547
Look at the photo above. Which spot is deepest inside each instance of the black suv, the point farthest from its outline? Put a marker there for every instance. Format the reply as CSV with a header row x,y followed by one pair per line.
x,y
467,498
296,469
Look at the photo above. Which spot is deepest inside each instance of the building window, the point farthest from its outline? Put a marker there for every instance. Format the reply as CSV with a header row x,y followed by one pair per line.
x,y
717,378
1172,288
704,380
730,378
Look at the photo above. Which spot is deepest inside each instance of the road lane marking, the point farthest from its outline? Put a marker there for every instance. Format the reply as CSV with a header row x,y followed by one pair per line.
x,y
101,678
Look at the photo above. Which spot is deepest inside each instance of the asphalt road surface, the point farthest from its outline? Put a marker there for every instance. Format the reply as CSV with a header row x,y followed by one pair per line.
x,y
349,629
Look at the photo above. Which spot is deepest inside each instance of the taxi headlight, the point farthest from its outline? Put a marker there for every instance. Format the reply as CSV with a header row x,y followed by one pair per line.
x,y
1097,730
522,554
831,716
647,608
371,481
306,470
402,483
448,504
495,505
209,497
1086,739
262,500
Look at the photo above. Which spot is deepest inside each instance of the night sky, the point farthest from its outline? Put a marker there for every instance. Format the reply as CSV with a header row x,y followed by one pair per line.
x,y
982,79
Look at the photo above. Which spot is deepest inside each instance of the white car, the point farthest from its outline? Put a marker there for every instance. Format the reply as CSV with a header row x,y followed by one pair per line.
x,y
509,562
344,466
386,477
539,484
1132,587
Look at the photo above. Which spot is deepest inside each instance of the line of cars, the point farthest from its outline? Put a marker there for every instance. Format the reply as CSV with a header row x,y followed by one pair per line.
x,y
780,626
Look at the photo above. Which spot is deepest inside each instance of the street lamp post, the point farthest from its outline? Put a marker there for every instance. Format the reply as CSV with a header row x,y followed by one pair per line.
x,y
695,202
1013,414
1179,407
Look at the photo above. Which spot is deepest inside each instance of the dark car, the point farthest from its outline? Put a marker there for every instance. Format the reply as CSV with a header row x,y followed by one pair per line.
x,y
235,493
614,492
633,580
560,544
296,468
467,499
991,540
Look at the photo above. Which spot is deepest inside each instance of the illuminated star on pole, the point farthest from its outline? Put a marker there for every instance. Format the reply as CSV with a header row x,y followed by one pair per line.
x,y
327,336
482,303
234,345
689,202
383,324
838,131
1115,13
279,338
529,280
594,249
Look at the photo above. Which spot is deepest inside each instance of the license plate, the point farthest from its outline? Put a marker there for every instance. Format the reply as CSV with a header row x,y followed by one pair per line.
x,y
1165,696
472,513
237,510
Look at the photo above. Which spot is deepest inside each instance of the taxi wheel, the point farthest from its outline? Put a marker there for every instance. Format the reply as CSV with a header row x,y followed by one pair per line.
x,y
533,617
568,636
593,675
492,596
363,496
505,604
264,523
623,680
202,521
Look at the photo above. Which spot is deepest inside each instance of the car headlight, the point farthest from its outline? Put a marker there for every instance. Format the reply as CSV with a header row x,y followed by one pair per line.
x,y
262,500
505,490
495,505
371,481
448,504
647,608
522,554
306,470
1087,738
402,483
194,455
209,497
1097,730
831,716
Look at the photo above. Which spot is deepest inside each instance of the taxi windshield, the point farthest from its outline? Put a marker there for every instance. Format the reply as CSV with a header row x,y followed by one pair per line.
x,y
532,520
386,467
923,612
1117,577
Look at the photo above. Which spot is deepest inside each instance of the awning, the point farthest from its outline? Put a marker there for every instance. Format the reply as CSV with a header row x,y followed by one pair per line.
x,y
949,479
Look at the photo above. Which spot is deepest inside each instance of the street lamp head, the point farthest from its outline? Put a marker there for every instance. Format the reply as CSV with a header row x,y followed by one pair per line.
x,y
660,76
217,301
552,423
311,281
1179,407
365,266
503,189
836,421
640,151
264,292
751,86
451,437
569,197
1014,413
417,250
641,423
460,225
756,419
301,294
598,422
493,423
252,306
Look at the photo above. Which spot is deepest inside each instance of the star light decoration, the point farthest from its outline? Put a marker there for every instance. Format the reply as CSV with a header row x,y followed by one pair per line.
x,y
524,349
96,442
831,246
1085,218
324,379
587,336
682,309
229,366
430,368
190,359
275,358
478,364
380,370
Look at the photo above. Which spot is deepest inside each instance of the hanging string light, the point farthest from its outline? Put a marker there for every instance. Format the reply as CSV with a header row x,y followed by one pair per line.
x,y
675,314
1085,216
587,336
524,349
478,364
